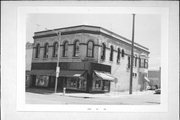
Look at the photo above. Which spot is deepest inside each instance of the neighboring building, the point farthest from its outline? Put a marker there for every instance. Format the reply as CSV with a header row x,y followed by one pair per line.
x,y
92,59
155,78
29,51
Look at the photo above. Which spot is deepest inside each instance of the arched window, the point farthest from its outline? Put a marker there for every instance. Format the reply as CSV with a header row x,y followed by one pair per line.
x,y
103,51
111,53
118,55
46,47
65,49
90,49
37,51
122,53
76,48
55,49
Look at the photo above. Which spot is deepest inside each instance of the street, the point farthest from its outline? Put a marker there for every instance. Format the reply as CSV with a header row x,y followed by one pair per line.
x,y
97,99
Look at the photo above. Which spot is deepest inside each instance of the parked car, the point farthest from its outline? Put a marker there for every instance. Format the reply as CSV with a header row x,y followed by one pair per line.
x,y
157,91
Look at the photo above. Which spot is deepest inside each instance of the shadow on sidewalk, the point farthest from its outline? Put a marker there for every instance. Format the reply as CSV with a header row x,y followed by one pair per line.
x,y
40,90
51,91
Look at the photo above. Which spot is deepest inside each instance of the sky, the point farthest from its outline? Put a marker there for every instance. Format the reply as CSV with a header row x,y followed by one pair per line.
x,y
147,28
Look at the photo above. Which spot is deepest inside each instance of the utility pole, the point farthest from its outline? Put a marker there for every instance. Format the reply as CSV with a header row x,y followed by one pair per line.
x,y
132,56
57,66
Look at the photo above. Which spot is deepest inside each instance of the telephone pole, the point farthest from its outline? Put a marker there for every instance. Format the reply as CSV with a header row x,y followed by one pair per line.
x,y
132,56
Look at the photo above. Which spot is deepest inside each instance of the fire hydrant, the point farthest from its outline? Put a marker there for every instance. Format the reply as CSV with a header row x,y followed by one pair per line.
x,y
64,91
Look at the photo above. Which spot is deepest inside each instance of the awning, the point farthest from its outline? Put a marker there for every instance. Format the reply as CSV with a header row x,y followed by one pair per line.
x,y
71,73
146,79
42,72
63,73
105,76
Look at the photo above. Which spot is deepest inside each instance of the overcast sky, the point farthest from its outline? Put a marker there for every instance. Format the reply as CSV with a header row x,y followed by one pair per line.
x,y
147,28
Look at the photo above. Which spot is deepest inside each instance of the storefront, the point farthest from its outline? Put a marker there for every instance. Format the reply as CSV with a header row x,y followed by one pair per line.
x,y
84,76
74,80
101,81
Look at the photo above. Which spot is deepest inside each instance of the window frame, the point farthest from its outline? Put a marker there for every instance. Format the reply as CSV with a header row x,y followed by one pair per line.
x,y
129,62
118,55
46,50
103,51
65,49
37,51
55,49
76,54
111,53
122,55
87,53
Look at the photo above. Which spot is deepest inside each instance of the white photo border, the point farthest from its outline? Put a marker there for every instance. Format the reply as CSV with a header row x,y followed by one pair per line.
x,y
23,12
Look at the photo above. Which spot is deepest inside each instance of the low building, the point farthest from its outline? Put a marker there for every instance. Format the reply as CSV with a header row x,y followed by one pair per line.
x,y
91,59
155,78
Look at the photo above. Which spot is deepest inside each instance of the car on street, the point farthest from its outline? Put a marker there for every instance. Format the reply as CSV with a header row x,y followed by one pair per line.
x,y
157,91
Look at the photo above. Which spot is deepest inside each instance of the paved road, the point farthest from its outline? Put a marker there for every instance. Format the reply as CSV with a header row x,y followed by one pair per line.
x,y
143,99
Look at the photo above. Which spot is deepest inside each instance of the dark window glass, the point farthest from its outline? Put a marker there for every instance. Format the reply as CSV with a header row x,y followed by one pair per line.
x,y
103,51
46,48
65,49
140,62
37,51
135,61
111,53
55,49
76,48
122,53
118,55
146,63
129,61
90,49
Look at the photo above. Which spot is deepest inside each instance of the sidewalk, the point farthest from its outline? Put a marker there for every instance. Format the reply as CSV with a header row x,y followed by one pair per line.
x,y
101,95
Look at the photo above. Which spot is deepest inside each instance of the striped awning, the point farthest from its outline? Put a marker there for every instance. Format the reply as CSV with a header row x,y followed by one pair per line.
x,y
105,76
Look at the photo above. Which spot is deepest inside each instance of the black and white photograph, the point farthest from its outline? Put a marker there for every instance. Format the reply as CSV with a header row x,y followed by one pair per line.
x,y
89,60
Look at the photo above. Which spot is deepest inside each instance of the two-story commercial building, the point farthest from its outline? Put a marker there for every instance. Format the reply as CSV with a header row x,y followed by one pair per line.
x,y
91,59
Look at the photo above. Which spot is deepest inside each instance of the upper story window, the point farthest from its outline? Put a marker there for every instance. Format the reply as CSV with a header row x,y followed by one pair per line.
x,y
103,51
118,55
135,60
140,62
111,53
122,55
90,49
46,47
76,48
65,49
145,63
55,49
37,54
129,61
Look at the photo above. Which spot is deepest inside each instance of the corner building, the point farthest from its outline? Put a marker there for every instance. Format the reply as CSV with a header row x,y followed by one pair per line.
x,y
92,59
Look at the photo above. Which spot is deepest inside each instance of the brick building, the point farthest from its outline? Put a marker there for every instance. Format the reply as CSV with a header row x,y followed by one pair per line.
x,y
92,59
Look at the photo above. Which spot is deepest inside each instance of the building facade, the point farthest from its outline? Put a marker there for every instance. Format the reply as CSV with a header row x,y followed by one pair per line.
x,y
92,59
29,52
155,78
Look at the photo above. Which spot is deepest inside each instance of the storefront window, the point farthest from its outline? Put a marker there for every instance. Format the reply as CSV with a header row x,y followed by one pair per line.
x,y
76,83
98,84
42,81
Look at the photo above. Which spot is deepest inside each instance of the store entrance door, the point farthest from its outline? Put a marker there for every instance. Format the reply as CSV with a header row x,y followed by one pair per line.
x,y
61,81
